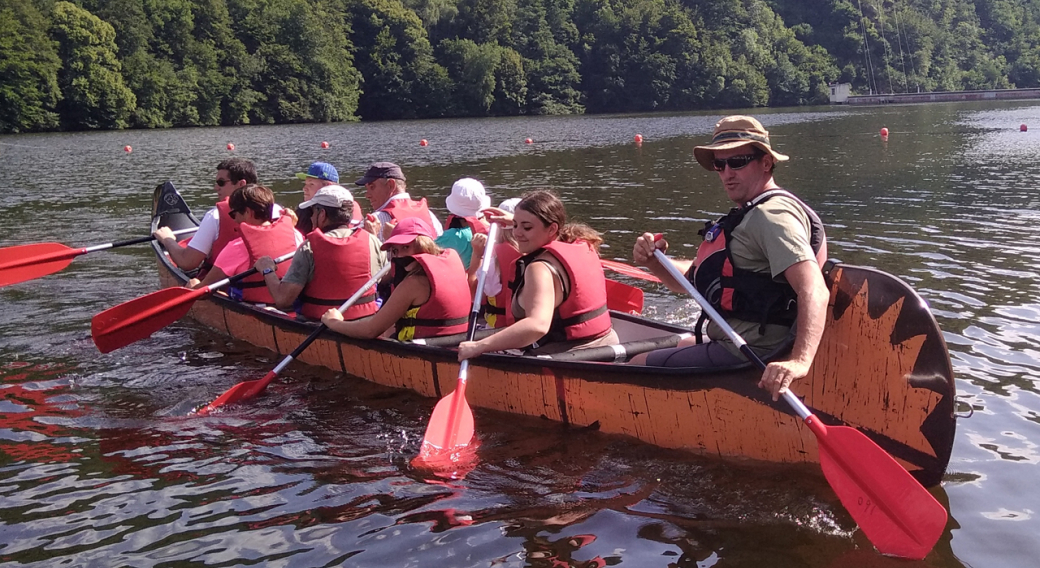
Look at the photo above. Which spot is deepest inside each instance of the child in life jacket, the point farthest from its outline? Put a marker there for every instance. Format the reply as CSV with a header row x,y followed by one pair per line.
x,y
497,293
425,298
465,202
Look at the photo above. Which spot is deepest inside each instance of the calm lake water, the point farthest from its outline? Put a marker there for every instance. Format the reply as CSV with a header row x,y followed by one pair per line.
x,y
100,464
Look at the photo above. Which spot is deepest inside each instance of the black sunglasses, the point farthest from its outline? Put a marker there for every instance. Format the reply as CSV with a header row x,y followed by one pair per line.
x,y
734,162
222,182
233,212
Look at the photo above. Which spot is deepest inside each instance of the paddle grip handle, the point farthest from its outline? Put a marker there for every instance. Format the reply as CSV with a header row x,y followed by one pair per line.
x,y
474,314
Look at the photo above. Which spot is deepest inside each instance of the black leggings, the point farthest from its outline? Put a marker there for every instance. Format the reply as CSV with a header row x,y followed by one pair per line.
x,y
710,354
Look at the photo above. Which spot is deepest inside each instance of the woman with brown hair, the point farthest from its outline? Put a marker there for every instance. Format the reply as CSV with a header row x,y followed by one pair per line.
x,y
560,298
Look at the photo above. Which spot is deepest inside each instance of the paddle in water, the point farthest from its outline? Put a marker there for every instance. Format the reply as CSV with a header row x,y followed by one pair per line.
x,y
451,424
26,262
139,318
898,515
249,389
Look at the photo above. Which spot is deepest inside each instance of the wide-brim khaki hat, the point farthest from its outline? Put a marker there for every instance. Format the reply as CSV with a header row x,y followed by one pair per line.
x,y
734,132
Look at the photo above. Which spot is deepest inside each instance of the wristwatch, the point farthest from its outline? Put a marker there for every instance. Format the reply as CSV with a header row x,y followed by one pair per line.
x,y
267,271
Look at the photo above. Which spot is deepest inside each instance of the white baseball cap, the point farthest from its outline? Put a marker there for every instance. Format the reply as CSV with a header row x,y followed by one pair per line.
x,y
335,196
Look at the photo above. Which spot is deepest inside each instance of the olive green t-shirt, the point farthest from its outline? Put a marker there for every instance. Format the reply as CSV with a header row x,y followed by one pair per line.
x,y
301,271
771,238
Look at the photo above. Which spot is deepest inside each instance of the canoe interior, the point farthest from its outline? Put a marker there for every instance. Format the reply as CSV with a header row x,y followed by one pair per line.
x,y
882,367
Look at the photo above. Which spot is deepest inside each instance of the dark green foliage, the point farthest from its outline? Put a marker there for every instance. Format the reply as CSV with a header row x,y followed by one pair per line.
x,y
94,93
162,63
400,77
29,65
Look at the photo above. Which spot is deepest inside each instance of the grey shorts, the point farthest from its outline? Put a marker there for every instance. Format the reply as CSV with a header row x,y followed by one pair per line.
x,y
710,354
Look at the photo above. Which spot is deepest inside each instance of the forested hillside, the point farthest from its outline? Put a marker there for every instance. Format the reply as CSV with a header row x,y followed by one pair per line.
x,y
101,64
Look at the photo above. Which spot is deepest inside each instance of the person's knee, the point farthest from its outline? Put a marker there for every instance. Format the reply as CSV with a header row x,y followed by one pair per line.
x,y
638,359
687,341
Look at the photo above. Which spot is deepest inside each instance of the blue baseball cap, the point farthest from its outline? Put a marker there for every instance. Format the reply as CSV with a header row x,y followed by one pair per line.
x,y
322,171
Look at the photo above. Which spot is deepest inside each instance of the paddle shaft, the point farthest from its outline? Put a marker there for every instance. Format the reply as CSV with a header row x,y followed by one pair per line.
x,y
471,328
733,336
346,305
452,419
248,389
74,252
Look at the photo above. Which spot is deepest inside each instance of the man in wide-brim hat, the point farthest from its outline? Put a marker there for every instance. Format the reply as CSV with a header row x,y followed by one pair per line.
x,y
759,266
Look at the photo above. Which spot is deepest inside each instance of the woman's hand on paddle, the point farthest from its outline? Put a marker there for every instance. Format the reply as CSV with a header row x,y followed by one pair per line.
x,y
643,250
470,349
779,375
331,316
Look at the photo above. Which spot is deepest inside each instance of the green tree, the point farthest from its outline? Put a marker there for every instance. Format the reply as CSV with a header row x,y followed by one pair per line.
x,y
305,70
401,79
93,91
543,35
28,70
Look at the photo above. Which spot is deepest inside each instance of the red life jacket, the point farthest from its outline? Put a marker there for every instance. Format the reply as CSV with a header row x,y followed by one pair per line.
x,y
498,309
476,224
447,311
743,294
274,240
399,209
341,267
583,313
227,231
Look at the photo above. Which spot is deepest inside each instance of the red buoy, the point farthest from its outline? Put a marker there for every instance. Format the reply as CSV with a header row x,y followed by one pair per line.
x,y
884,132
639,138
230,146
423,142
1023,128
324,144
128,149
528,141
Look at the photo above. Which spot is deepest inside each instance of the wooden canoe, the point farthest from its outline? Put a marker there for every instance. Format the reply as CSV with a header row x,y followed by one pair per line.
x,y
882,367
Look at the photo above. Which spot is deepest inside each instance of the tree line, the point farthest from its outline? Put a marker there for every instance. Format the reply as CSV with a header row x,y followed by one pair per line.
x,y
108,64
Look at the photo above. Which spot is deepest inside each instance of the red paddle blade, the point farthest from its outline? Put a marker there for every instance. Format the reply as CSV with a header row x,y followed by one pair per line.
x,y
622,268
137,319
898,515
450,428
241,391
25,262
624,298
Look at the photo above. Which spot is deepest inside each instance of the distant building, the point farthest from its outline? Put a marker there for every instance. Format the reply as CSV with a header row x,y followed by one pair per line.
x,y
840,92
